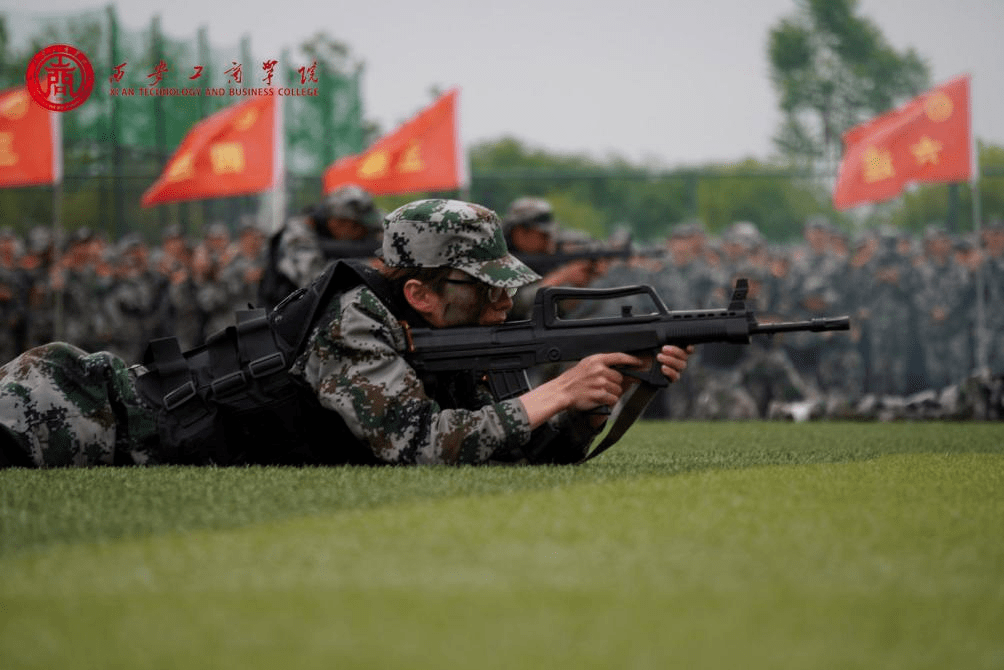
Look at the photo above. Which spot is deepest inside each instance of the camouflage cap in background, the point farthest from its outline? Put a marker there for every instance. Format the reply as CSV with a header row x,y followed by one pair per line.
x,y
452,233
532,213
355,204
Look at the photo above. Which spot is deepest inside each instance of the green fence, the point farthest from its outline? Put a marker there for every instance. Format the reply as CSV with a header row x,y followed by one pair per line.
x,y
116,146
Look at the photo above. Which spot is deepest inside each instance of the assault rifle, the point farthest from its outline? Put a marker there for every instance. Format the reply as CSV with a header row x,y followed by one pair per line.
x,y
544,264
335,249
504,353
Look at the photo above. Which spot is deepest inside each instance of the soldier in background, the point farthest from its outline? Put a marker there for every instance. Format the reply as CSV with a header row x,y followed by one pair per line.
x,y
242,273
208,260
811,286
841,373
992,240
107,317
530,229
36,267
677,282
174,262
74,276
719,376
134,298
828,362
945,306
889,310
347,220
13,317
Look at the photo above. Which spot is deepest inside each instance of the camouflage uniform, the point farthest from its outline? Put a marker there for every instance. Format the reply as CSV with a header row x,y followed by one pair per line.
x,y
78,282
60,406
12,296
36,267
725,372
536,214
890,321
993,296
294,255
242,274
107,317
946,302
209,261
174,264
355,359
135,297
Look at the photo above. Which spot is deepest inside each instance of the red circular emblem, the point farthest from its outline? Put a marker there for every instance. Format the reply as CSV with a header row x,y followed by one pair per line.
x,y
59,77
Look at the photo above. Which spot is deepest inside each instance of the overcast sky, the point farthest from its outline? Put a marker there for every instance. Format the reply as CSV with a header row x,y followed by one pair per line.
x,y
654,81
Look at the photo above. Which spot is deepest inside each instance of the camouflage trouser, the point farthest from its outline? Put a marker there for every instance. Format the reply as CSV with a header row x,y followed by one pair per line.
x,y
60,406
994,343
947,357
842,372
722,396
770,376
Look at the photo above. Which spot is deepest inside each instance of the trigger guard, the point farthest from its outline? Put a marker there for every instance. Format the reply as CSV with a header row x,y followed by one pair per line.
x,y
653,375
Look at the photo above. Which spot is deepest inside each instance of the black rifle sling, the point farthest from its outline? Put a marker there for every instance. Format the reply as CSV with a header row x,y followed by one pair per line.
x,y
626,413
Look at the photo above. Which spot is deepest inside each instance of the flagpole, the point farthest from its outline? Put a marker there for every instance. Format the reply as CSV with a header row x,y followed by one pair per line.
x,y
278,167
462,162
981,311
55,121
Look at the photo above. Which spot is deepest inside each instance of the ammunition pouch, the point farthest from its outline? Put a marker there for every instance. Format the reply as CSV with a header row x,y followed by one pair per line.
x,y
232,400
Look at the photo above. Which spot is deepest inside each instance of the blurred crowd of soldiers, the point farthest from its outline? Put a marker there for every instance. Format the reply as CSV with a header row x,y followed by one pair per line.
x,y
919,346
116,297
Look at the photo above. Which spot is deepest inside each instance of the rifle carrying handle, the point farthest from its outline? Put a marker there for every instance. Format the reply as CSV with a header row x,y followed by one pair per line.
x,y
546,300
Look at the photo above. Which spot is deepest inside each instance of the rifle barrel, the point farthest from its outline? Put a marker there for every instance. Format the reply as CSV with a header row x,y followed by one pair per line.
x,y
812,325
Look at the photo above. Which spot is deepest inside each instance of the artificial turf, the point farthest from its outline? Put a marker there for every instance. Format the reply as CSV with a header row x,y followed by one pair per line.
x,y
754,545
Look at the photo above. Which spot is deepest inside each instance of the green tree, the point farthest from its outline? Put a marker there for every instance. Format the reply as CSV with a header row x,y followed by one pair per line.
x,y
832,69
598,197
766,195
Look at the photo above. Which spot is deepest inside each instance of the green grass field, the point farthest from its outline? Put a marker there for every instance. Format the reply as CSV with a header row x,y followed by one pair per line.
x,y
689,545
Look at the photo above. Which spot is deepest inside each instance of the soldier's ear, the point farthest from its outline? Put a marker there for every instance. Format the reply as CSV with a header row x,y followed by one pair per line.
x,y
421,297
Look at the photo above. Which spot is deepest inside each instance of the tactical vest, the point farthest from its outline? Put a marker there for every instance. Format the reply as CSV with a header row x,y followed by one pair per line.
x,y
232,399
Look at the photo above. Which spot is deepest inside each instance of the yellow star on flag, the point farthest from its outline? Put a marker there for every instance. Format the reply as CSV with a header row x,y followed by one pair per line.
x,y
877,164
926,151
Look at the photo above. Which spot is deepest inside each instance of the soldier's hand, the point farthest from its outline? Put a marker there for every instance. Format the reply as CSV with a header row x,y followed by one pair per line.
x,y
672,361
594,381
577,273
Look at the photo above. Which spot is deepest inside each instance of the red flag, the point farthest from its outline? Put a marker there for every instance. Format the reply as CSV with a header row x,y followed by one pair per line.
x,y
29,151
421,155
925,140
228,153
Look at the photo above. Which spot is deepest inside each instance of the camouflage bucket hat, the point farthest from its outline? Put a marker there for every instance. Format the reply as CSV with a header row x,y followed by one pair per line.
x,y
460,235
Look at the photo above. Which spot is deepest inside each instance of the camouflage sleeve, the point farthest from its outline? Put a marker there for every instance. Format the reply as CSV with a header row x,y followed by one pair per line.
x,y
353,362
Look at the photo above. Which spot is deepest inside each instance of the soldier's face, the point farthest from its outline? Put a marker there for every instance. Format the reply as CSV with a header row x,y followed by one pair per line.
x,y
817,238
346,229
994,241
469,302
532,240
940,247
